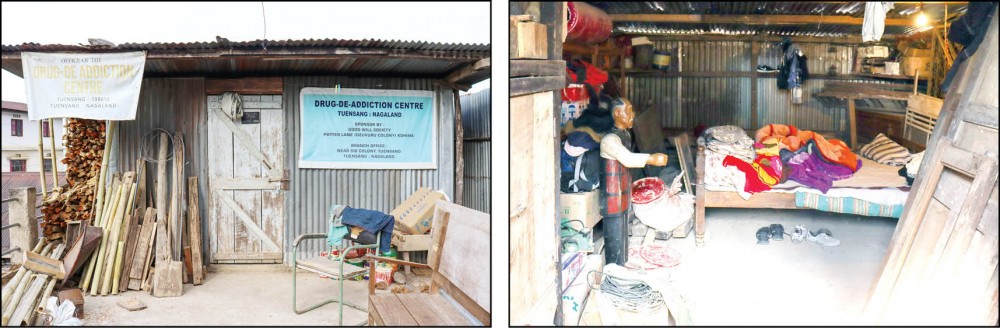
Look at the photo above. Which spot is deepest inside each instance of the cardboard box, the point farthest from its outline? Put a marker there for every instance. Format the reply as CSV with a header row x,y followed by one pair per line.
x,y
910,65
584,206
917,52
572,265
874,51
415,214
527,40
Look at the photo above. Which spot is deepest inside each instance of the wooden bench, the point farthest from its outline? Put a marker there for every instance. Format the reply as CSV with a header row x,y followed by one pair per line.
x,y
459,258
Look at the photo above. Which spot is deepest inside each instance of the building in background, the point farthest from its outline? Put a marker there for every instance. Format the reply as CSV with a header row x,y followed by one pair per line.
x,y
20,140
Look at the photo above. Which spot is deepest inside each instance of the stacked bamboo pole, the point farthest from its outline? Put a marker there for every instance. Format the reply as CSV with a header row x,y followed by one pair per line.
x,y
22,302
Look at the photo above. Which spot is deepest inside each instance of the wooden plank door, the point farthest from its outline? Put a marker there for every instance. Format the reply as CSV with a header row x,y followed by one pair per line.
x,y
246,175
942,267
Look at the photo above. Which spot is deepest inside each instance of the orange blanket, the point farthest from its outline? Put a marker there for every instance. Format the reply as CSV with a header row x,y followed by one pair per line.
x,y
833,150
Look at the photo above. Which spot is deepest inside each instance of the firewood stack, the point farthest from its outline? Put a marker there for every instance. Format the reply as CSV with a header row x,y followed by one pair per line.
x,y
84,140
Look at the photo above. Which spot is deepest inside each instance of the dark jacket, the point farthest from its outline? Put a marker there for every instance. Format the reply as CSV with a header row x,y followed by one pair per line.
x,y
372,221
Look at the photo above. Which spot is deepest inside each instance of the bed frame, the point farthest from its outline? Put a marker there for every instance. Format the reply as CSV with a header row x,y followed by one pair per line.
x,y
705,198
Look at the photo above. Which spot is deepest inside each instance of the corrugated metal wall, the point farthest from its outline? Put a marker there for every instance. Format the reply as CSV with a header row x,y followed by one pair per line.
x,y
313,190
179,105
476,111
172,104
685,102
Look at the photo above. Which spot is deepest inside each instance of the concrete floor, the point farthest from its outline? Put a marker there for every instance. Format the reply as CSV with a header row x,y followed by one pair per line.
x,y
261,297
734,281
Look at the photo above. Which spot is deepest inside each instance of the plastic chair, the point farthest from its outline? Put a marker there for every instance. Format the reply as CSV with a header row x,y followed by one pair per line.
x,y
326,266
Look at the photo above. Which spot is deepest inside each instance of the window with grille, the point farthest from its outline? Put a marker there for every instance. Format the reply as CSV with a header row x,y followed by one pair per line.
x,y
47,164
18,165
16,127
46,129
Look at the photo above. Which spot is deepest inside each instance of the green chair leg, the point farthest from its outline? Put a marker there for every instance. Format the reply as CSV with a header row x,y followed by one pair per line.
x,y
340,298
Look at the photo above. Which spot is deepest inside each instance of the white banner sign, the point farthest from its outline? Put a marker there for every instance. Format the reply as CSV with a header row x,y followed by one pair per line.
x,y
83,85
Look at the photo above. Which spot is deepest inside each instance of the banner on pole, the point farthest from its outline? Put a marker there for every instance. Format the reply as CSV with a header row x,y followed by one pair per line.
x,y
367,129
83,85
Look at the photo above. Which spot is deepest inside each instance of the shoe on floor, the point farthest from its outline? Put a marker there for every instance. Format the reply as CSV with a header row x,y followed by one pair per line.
x,y
799,234
823,237
763,234
777,232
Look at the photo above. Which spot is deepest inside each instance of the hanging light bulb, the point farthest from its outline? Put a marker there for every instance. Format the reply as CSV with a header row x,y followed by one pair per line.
x,y
921,19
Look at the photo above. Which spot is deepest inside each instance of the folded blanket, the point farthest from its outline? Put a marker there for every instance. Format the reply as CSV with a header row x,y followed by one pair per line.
x,y
728,140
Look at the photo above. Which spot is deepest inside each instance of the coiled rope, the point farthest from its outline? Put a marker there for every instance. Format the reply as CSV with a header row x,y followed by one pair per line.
x,y
630,294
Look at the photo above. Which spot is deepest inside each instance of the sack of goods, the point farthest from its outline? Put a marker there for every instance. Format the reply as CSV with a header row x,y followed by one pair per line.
x,y
661,208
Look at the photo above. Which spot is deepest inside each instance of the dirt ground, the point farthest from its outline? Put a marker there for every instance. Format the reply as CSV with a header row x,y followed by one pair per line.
x,y
734,281
250,296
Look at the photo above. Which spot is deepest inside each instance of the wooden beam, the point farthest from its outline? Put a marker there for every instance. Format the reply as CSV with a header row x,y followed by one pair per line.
x,y
450,85
251,86
753,19
851,40
468,70
520,68
526,85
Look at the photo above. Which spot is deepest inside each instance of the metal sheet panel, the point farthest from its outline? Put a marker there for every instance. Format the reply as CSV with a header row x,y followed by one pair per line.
x,y
476,111
312,191
686,102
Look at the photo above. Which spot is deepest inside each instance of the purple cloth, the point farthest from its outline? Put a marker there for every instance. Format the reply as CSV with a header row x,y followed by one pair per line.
x,y
809,168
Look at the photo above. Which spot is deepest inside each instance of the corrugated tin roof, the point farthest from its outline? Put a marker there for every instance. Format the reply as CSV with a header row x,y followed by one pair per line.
x,y
844,8
222,43
224,58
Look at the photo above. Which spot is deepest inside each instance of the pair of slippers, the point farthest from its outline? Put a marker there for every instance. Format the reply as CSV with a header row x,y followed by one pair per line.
x,y
774,231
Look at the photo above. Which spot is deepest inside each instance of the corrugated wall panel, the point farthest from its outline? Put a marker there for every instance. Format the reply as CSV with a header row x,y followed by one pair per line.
x,y
476,111
685,102
476,114
312,191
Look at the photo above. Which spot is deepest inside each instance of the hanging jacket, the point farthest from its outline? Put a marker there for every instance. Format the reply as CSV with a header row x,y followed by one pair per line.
x,y
371,221
794,69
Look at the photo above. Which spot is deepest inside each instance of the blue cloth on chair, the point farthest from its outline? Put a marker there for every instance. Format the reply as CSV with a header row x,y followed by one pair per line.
x,y
337,229
372,221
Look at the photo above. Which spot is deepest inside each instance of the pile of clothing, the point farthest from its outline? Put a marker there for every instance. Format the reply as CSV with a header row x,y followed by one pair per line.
x,y
777,153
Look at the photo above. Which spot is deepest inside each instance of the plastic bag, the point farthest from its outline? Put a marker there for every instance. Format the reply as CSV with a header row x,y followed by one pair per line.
x,y
62,314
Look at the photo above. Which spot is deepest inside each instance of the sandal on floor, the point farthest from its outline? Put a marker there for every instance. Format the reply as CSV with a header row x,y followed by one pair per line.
x,y
763,234
777,232
799,234
823,237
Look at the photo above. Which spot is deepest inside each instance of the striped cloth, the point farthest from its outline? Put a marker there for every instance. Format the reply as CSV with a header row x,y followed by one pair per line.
x,y
617,189
848,205
885,151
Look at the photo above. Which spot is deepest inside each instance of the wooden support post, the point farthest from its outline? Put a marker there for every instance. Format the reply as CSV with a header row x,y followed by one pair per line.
x,y
852,117
459,159
177,197
754,53
22,212
41,162
52,142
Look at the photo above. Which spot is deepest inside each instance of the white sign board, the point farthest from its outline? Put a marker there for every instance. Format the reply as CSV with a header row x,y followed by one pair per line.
x,y
83,85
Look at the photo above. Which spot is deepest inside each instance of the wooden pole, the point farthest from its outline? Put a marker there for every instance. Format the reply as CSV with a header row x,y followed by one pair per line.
x,y
113,246
102,177
9,288
161,186
41,162
102,253
459,150
52,141
194,227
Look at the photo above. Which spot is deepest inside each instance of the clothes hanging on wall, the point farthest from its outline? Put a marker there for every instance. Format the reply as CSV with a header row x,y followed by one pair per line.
x,y
874,22
969,30
794,68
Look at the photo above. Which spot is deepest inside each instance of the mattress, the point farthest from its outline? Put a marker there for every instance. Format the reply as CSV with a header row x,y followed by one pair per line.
x,y
874,183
